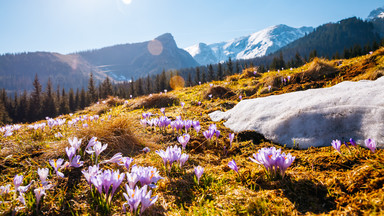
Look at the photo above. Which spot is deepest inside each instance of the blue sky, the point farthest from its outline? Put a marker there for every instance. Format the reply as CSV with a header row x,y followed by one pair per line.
x,y
66,26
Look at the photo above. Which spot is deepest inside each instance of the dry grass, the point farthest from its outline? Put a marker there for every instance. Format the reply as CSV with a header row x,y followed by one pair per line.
x,y
219,92
318,69
156,101
119,133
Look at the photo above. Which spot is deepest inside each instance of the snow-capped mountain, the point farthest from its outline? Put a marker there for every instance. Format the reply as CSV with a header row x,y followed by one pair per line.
x,y
255,45
377,13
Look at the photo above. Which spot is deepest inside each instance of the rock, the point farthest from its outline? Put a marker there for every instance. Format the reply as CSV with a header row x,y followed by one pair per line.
x,y
314,117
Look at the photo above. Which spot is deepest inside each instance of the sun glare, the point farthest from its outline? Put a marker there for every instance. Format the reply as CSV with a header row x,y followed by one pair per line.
x,y
127,2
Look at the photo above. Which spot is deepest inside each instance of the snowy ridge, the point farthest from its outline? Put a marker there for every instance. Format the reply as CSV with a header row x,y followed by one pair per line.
x,y
377,13
257,44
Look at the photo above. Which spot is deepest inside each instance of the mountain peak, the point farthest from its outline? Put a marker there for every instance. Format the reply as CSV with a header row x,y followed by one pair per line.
x,y
377,13
257,44
165,37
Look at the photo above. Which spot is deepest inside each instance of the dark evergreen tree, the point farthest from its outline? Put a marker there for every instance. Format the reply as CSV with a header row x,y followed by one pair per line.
x,y
83,99
157,83
197,76
49,106
312,55
298,60
64,107
77,100
132,92
71,100
4,117
106,88
219,72
139,87
163,81
148,84
92,93
211,73
35,101
203,78
189,80
229,67
23,110
238,67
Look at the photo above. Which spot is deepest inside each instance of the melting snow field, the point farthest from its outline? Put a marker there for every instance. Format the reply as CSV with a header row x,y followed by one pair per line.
x,y
314,117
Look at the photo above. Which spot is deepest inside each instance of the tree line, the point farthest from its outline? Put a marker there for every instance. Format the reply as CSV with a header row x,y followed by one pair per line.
x,y
38,104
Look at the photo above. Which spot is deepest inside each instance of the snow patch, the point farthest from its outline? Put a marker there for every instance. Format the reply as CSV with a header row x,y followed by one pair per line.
x,y
314,117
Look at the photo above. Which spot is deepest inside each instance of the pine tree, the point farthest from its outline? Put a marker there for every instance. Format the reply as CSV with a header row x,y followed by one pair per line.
x,y
298,60
157,83
83,99
211,73
203,78
229,67
71,100
77,99
219,72
139,87
23,107
64,108
132,92
92,94
106,88
163,80
49,106
4,117
312,55
197,76
35,101
148,89
237,67
189,81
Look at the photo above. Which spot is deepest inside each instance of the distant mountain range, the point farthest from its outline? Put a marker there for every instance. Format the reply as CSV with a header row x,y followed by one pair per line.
x,y
120,62
258,44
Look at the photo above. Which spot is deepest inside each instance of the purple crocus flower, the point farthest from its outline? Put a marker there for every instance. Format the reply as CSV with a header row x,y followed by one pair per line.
x,y
146,150
284,162
210,84
336,144
97,181
132,179
371,144
208,134
74,142
269,88
17,181
162,110
187,125
70,152
147,175
183,158
91,172
146,199
232,164
183,140
199,172
217,133
182,104
126,161
91,142
43,174
133,197
117,178
76,161
240,97
56,164
231,137
39,192
197,128
353,143
117,158
199,103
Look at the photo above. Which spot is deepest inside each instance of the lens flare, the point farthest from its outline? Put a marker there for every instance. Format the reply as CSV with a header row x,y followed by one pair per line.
x,y
155,47
177,82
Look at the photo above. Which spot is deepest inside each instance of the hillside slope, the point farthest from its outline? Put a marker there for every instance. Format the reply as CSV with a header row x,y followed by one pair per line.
x,y
319,181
